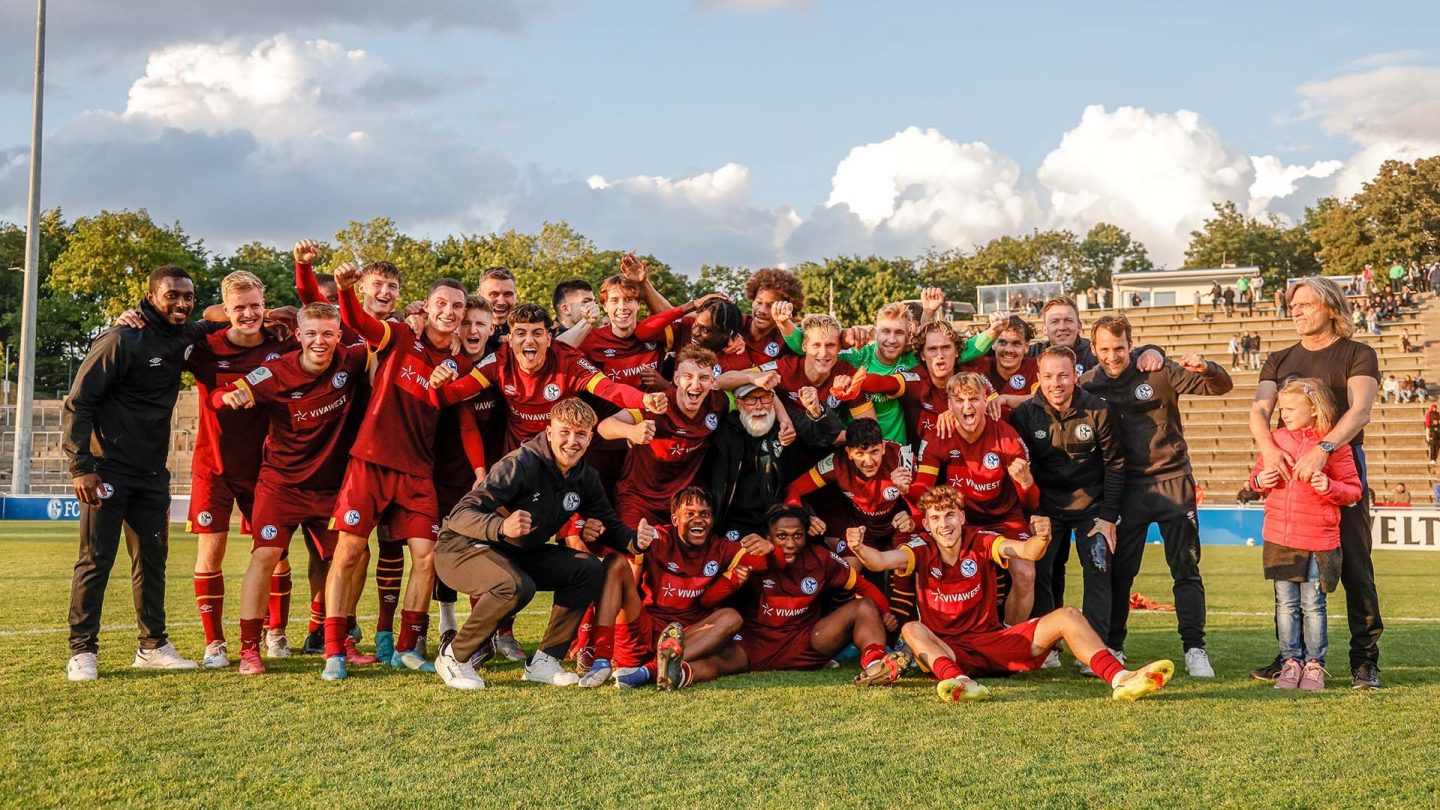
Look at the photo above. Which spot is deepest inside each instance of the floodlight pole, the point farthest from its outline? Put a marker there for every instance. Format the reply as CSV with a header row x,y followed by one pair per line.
x,y
25,400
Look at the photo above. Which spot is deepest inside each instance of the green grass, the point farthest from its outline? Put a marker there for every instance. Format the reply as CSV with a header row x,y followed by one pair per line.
x,y
1049,738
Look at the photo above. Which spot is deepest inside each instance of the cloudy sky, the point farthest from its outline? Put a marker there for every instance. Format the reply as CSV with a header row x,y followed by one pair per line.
x,y
716,131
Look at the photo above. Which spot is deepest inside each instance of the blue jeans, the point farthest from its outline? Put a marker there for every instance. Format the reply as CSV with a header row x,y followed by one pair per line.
x,y
1300,611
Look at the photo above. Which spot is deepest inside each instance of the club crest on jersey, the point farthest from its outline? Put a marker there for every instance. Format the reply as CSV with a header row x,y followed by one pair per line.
x,y
258,376
352,518
712,568
968,567
890,493
106,491
716,370
450,363
732,535
1079,368
571,501
204,518
809,585
269,532
1017,381
272,356
340,378
712,420
936,572
1084,432
1144,391
1039,434
992,460
772,349
552,392
832,401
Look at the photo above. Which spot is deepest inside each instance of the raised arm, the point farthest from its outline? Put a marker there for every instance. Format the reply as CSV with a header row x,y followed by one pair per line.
x,y
374,331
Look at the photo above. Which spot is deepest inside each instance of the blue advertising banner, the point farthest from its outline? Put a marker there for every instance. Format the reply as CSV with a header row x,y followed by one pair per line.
x,y
64,507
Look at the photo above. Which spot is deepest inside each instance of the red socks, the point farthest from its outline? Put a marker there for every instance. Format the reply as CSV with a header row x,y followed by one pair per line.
x,y
1106,666
210,599
945,669
250,635
389,567
603,637
413,624
317,612
335,628
871,654
279,601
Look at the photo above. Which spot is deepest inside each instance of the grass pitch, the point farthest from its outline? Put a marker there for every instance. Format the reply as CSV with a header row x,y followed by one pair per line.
x,y
385,737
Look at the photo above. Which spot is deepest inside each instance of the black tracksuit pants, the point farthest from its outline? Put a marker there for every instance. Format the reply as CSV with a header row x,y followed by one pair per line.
x,y
1170,505
1050,571
141,502
1357,575
1106,601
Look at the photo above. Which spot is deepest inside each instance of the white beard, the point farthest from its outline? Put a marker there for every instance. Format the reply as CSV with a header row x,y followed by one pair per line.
x,y
758,428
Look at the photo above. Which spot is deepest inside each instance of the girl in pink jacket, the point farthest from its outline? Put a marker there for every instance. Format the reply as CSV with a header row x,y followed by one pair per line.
x,y
1302,530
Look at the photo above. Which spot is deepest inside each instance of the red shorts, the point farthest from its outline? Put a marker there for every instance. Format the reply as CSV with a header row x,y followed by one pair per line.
x,y
212,501
373,496
998,652
633,509
769,648
638,648
280,510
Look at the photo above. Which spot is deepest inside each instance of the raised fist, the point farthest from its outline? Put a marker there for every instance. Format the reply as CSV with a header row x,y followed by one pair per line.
x,y
810,399
306,251
756,545
642,432
656,403
1039,526
1150,360
590,530
239,399
740,574
592,313
855,537
516,525
817,526
346,275
442,375
782,312
1019,470
768,380
1195,362
903,522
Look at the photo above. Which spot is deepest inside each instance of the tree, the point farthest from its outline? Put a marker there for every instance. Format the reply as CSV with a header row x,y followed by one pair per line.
x,y
1230,238
273,265
110,255
1108,249
861,285
1400,211
728,281
379,240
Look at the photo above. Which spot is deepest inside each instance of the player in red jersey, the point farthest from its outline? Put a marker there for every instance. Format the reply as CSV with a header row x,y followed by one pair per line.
x,y
227,453
818,368
667,449
389,479
781,606
1012,374
987,462
304,396
674,574
762,339
959,636
716,326
921,391
870,483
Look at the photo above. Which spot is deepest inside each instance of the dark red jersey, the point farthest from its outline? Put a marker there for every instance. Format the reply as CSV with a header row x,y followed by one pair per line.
x,y
1020,382
685,336
623,358
979,469
780,601
959,597
229,441
305,416
459,449
875,501
791,368
674,577
765,348
920,398
656,471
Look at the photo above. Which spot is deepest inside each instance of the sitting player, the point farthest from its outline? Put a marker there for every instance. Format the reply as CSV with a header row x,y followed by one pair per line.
x,y
959,635
781,604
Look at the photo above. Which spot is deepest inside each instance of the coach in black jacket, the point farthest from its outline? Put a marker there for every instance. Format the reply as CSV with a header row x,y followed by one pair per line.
x,y
1077,459
116,427
1159,486
496,546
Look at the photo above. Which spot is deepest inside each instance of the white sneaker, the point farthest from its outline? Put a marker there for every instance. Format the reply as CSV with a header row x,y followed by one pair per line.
x,y
457,674
167,658
545,669
217,656
82,667
1052,661
277,644
1197,663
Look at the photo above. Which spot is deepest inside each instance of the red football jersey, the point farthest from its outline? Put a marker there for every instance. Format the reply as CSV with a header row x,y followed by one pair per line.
x,y
229,441
765,348
1020,382
959,597
684,336
921,399
791,369
656,471
305,416
781,601
622,359
875,501
674,576
979,469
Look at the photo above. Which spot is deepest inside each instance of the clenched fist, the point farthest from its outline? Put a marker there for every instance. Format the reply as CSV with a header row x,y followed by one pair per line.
x,y
782,312
903,477
1039,526
903,522
656,402
756,545
307,251
239,399
855,537
1019,470
810,400
642,432
516,525
346,275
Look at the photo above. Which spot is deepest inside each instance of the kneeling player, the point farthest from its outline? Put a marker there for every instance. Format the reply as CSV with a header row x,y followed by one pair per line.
x,y
783,627
959,635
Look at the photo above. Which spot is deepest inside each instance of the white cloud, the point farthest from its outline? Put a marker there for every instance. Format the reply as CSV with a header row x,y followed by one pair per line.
x,y
1392,113
1275,180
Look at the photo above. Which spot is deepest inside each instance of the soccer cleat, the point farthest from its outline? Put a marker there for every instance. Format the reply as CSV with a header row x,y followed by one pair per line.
x,y
1365,676
1290,673
410,659
955,690
457,674
884,671
277,644
250,663
670,657
597,675
1270,671
508,647
354,657
545,669
1143,681
384,645
314,643
162,658
1313,678
1052,661
1197,663
631,677
82,667
334,668
217,656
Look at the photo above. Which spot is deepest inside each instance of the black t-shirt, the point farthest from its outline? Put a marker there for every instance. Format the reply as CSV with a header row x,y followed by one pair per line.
x,y
1333,365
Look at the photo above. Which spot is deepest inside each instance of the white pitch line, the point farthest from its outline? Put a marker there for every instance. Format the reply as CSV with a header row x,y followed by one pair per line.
x,y
112,628
1331,616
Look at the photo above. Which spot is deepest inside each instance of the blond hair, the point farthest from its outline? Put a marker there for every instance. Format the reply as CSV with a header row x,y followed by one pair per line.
x,y
1320,399
896,311
240,281
820,322
1332,298
574,412
318,311
968,381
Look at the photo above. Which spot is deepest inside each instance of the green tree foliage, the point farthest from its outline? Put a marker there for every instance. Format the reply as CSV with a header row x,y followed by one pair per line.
x,y
1230,238
379,240
728,281
66,323
1108,249
110,255
861,285
1395,217
274,266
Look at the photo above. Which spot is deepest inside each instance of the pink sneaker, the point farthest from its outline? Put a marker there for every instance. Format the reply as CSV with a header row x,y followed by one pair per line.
x,y
250,663
1290,674
1314,678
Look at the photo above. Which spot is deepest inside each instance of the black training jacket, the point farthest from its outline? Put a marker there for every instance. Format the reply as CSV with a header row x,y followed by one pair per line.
x,y
529,479
1148,406
117,416
741,504
1076,456
1084,354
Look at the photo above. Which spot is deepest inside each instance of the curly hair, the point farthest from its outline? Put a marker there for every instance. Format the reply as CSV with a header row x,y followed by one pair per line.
x,y
942,497
917,343
782,281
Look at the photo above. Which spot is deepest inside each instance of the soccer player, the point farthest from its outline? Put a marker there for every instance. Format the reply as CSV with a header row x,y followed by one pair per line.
x,y
869,481
958,636
781,607
1011,373
495,546
985,460
667,449
817,369
389,479
921,391
675,572
227,456
497,288
716,326
572,300
762,339
305,397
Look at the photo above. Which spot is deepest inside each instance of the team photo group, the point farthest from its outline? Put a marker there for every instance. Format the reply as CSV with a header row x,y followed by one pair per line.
x,y
706,488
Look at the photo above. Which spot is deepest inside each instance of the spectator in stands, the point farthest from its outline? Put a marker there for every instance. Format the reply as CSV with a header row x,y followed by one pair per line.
x,y
1432,416
1257,285
1197,305
1422,390
1255,356
1372,321
1234,348
1400,495
1435,278
1407,389
1215,296
1229,296
1405,344
1435,493
1389,389
1104,297
1135,299
1092,299
1282,307
1432,436
1357,317
1242,289
1247,496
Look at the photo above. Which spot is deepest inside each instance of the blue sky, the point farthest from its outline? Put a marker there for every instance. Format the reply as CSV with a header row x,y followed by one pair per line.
x,y
497,114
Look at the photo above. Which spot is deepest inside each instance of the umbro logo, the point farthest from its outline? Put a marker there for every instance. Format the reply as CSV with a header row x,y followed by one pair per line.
x,y
155,362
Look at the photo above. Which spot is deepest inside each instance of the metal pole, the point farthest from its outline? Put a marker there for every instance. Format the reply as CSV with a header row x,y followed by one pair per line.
x,y
24,402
